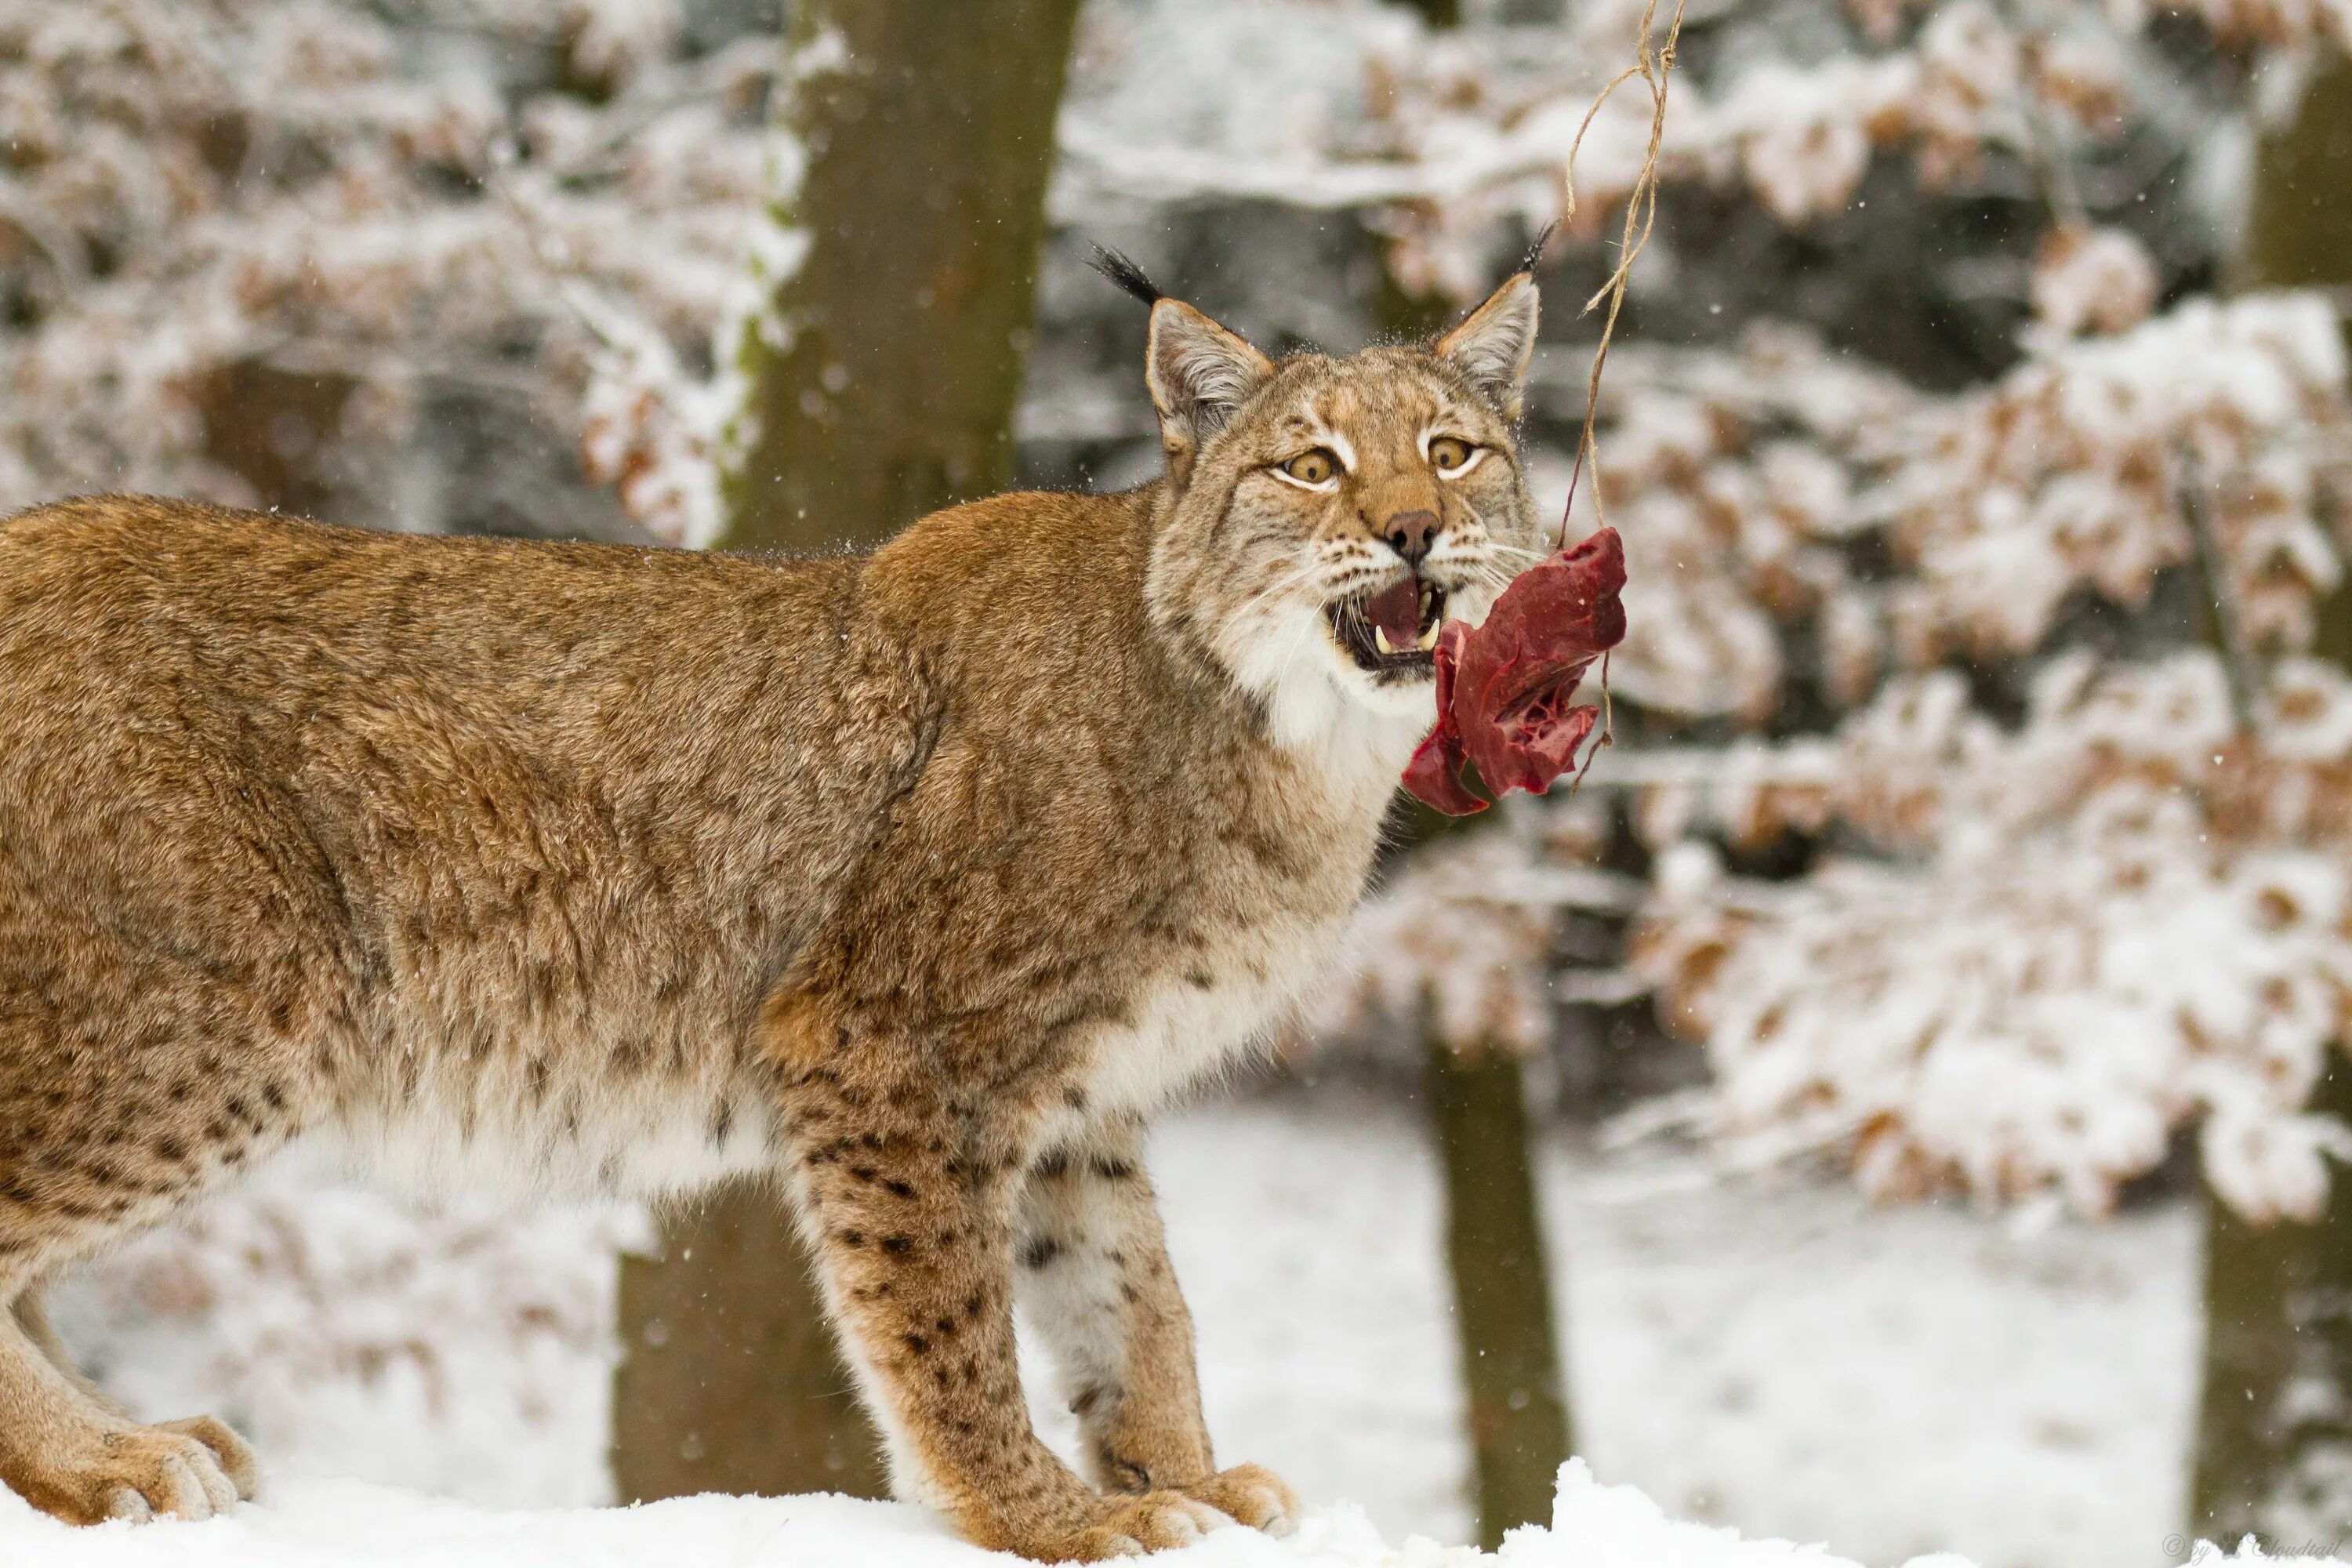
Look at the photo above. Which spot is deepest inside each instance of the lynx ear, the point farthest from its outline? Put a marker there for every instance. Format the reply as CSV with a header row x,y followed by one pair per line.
x,y
1492,348
1199,374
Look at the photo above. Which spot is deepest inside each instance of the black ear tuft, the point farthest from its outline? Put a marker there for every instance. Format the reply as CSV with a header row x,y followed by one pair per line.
x,y
1534,257
1124,272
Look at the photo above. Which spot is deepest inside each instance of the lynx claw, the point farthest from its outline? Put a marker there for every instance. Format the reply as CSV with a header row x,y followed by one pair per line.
x,y
1133,1527
183,1481
228,1450
188,1471
1251,1495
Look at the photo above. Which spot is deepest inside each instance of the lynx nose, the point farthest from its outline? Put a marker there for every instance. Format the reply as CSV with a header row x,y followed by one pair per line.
x,y
1409,533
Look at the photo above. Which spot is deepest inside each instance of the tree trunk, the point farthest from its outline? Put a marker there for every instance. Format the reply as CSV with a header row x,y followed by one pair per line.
x,y
882,386
1502,1291
2275,1420
730,1381
2298,225
276,429
2274,1426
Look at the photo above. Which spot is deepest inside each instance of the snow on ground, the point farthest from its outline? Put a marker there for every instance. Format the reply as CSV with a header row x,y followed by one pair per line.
x,y
1793,1362
330,1524
1777,1357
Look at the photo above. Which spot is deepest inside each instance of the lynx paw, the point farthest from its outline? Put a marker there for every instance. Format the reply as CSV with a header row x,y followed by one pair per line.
x,y
189,1470
1252,1494
1131,1526
228,1451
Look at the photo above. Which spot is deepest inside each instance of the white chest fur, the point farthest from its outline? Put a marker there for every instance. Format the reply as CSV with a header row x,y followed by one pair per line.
x,y
1200,1015
1206,1015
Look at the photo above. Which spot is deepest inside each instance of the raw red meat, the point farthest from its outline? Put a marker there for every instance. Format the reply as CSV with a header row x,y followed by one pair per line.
x,y
1503,690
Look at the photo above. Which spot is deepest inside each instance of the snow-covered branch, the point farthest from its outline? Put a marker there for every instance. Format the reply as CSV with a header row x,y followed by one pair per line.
x,y
194,189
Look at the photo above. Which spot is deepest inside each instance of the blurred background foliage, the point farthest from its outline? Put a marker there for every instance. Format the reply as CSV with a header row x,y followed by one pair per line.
x,y
1979,818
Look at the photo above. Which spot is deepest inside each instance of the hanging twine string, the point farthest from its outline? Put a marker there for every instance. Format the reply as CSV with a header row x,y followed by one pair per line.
x,y
1654,64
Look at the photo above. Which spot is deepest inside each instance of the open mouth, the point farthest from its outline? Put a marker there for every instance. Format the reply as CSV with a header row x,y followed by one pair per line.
x,y
1393,629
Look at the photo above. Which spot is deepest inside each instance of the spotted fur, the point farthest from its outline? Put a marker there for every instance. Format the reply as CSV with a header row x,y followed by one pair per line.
x,y
918,881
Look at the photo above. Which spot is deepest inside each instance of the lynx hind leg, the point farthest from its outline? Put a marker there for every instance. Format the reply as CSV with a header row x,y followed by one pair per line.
x,y
229,1449
73,1452
101,1137
70,1458
33,1317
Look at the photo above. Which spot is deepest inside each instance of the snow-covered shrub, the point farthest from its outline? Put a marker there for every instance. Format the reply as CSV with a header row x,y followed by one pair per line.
x,y
2056,958
1461,943
2030,652
1740,481
2088,467
2125,915
192,190
464,1349
1443,135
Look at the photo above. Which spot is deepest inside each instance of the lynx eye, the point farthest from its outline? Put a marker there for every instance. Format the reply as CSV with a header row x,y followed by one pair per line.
x,y
1312,468
1450,455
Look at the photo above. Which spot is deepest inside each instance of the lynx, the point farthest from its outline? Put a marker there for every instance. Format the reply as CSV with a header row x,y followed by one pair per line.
x,y
916,880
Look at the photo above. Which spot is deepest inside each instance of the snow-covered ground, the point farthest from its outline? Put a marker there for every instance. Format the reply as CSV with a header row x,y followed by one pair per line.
x,y
346,1524
1779,1357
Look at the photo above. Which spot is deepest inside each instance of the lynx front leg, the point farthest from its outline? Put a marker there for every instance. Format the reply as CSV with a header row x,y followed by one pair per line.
x,y
1094,1274
908,1204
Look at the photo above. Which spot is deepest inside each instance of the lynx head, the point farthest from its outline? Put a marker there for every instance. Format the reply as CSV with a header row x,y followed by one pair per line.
x,y
1323,516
